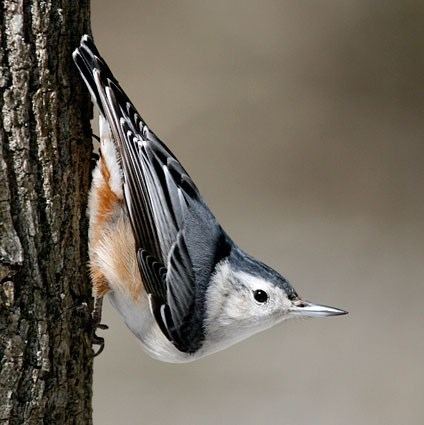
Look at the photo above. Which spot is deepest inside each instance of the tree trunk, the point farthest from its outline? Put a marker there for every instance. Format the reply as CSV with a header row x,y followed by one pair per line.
x,y
45,145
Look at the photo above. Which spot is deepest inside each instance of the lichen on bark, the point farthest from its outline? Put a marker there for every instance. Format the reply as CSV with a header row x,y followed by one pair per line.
x,y
45,145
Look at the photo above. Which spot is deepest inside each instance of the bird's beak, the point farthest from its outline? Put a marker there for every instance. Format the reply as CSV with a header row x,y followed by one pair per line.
x,y
306,309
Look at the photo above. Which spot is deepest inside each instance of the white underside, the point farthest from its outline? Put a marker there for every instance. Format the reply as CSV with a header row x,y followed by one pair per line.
x,y
139,319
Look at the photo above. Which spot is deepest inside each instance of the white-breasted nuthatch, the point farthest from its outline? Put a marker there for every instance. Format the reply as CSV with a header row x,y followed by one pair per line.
x,y
183,287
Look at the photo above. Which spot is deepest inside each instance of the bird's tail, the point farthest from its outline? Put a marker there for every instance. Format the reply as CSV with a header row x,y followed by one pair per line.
x,y
104,88
110,98
108,95
87,58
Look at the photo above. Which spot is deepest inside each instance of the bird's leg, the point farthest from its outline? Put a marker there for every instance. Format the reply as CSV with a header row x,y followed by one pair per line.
x,y
96,321
100,285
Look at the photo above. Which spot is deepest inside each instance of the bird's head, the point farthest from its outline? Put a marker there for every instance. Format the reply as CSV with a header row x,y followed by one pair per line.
x,y
246,296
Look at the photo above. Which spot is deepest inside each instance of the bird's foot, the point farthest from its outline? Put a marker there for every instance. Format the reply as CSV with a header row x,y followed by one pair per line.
x,y
96,324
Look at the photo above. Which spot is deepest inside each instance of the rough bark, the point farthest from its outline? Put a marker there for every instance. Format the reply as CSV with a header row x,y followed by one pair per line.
x,y
45,144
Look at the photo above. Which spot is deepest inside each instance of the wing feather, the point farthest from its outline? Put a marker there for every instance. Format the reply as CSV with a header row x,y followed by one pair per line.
x,y
161,199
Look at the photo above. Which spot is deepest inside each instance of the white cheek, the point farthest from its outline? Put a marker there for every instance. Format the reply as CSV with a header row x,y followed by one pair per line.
x,y
239,306
219,289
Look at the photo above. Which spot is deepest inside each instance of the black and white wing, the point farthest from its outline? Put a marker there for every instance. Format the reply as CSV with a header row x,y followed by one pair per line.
x,y
178,241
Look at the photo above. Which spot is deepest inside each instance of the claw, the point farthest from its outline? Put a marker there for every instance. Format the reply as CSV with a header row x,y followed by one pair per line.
x,y
96,319
102,326
98,340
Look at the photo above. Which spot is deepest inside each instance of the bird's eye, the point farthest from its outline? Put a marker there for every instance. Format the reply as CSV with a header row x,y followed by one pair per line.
x,y
260,296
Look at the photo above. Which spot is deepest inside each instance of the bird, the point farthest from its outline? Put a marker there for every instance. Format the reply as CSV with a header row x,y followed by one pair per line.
x,y
181,284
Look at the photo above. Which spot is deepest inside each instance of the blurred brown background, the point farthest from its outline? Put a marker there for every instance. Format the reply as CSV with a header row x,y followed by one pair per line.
x,y
302,123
